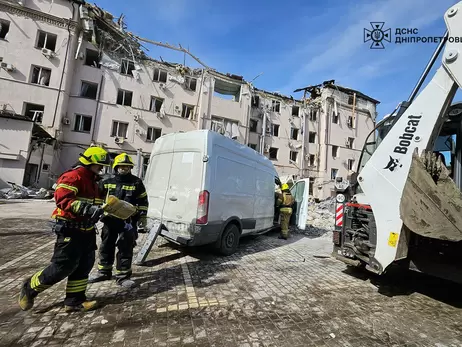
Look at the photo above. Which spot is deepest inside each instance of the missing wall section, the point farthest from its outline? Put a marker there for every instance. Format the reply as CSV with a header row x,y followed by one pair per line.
x,y
227,90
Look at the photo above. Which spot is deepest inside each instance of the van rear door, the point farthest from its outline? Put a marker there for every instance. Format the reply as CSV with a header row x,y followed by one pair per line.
x,y
184,185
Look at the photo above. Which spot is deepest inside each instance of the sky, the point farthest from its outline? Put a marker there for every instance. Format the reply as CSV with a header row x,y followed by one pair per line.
x,y
294,43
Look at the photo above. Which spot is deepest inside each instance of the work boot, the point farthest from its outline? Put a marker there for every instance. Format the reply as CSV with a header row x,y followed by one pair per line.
x,y
99,277
282,237
126,283
26,301
83,307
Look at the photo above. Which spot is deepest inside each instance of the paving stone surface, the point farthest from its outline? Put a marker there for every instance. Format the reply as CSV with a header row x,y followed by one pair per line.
x,y
270,293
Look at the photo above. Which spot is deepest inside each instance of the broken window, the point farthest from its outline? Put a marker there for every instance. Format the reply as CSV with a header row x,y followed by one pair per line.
x,y
82,123
190,83
40,76
350,142
92,58
156,104
314,115
351,164
119,129
34,111
4,28
45,167
253,125
275,106
160,75
153,134
275,130
273,153
333,173
311,186
350,121
253,146
46,40
312,159
335,117
312,137
226,127
187,111
351,100
255,101
294,133
293,156
334,151
295,111
88,90
124,97
127,67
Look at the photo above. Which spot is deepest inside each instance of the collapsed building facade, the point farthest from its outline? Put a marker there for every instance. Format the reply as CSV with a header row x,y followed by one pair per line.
x,y
72,75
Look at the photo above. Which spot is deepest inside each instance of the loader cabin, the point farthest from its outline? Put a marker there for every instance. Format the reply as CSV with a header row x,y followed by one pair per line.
x,y
448,144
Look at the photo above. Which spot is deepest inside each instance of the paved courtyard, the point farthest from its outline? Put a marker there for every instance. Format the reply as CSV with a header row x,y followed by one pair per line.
x,y
271,293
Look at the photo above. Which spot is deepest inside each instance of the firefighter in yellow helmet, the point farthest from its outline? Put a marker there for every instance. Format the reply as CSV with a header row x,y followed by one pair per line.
x,y
78,208
121,233
286,210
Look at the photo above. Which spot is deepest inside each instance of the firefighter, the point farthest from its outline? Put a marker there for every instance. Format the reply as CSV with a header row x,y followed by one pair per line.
x,y
286,210
78,208
119,233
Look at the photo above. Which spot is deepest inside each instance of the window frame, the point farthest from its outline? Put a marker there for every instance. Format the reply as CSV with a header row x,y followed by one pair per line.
x,y
124,91
153,131
81,118
47,33
118,128
41,68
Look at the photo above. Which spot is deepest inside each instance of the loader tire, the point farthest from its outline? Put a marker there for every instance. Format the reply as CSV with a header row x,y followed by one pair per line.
x,y
229,241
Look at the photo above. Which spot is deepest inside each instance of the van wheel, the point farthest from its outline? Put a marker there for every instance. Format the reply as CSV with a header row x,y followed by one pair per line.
x,y
229,240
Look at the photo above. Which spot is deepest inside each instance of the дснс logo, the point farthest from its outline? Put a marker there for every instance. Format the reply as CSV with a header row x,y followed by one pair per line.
x,y
377,35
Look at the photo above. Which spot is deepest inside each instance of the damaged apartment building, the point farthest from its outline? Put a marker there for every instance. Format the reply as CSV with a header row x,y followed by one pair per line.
x,y
71,76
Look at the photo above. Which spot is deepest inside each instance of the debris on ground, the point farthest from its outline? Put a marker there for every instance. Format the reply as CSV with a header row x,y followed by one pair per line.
x,y
321,218
18,191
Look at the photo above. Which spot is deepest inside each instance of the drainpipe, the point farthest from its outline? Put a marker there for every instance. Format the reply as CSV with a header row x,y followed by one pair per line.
x,y
200,102
97,106
64,66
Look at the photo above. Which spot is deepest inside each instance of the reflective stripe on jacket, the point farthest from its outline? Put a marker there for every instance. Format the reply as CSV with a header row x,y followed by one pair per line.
x,y
128,188
74,187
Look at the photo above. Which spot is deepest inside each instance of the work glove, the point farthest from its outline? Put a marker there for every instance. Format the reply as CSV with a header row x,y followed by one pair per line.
x,y
142,224
94,212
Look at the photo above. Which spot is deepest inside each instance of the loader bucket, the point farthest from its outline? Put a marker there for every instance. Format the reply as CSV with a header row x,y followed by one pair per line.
x,y
118,208
431,204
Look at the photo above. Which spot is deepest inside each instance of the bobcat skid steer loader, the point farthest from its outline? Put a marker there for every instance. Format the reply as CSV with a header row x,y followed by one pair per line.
x,y
406,202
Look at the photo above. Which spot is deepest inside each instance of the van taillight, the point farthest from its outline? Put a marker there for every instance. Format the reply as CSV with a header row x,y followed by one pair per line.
x,y
203,208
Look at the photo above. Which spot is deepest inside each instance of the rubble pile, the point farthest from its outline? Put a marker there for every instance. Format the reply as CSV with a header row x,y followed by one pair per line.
x,y
18,191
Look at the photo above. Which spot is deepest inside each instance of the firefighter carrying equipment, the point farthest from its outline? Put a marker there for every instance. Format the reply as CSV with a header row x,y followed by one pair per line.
x,y
77,201
77,197
118,208
121,233
95,155
123,159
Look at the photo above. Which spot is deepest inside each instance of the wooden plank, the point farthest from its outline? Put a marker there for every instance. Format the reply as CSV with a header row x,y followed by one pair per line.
x,y
147,246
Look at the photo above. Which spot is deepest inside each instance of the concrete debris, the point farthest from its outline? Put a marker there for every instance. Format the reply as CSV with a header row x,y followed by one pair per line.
x,y
18,191
321,218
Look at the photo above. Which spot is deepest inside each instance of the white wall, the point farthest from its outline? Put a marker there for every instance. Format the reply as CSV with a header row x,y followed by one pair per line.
x,y
14,145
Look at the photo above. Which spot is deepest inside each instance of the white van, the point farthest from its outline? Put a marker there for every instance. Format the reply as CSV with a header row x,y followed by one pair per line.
x,y
209,189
